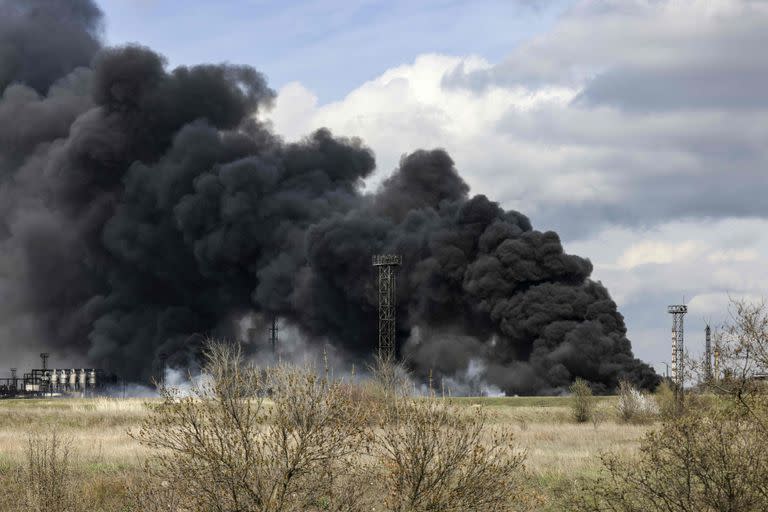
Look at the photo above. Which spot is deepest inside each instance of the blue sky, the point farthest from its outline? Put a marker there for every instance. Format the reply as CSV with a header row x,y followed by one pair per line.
x,y
329,46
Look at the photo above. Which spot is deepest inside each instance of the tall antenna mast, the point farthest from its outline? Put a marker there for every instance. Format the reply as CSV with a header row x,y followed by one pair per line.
x,y
678,312
44,358
387,264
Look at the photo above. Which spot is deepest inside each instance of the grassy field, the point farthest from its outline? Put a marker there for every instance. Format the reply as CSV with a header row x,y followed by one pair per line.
x,y
558,450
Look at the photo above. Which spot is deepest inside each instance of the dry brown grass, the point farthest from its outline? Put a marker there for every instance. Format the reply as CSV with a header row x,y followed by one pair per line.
x,y
105,458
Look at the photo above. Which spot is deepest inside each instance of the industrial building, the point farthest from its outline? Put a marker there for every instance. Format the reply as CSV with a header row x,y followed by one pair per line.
x,y
50,382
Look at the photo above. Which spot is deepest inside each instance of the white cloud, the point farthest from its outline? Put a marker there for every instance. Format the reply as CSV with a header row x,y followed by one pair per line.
x,y
733,255
635,128
649,252
627,112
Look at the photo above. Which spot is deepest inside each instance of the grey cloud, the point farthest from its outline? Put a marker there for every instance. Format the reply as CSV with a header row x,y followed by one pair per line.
x,y
687,86
628,44
645,168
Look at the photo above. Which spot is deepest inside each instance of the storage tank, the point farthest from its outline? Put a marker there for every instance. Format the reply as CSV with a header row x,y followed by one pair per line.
x,y
73,378
92,378
45,382
55,379
83,377
63,379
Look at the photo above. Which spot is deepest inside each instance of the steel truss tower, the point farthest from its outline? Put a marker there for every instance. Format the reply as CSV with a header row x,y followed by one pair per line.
x,y
678,312
273,335
708,354
386,284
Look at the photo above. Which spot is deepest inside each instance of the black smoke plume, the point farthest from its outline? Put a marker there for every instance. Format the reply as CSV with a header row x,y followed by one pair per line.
x,y
144,208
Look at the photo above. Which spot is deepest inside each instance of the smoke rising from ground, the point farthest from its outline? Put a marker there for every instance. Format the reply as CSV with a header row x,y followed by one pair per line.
x,y
145,208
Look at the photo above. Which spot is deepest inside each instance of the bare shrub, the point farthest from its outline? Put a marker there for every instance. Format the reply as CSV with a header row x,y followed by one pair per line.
x,y
45,474
666,400
598,416
148,494
390,378
713,456
228,448
286,439
435,457
696,463
633,405
582,401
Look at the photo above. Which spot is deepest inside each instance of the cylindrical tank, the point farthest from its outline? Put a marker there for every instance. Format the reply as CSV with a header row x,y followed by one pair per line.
x,y
55,379
63,378
92,378
73,378
82,378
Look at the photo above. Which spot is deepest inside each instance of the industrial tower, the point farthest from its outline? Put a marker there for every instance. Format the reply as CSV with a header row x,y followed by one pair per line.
x,y
387,264
717,360
273,335
678,312
708,354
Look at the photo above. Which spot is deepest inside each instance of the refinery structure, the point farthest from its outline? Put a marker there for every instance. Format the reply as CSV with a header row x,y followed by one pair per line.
x,y
52,382
79,382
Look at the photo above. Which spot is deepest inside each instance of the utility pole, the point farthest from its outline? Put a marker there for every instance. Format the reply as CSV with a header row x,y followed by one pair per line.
x,y
273,335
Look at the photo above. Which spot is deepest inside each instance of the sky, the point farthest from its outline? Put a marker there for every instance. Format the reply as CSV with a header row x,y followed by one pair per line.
x,y
636,129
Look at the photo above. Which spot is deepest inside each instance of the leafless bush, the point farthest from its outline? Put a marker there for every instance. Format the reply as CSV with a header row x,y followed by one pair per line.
x,y
43,481
46,473
232,449
390,378
582,401
695,463
713,456
437,458
148,494
286,439
597,417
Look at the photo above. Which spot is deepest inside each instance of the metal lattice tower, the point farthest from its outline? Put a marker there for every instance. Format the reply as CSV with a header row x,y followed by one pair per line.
x,y
708,354
44,358
717,360
273,334
678,312
386,283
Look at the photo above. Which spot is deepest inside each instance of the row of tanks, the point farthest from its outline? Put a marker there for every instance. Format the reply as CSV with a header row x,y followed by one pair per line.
x,y
62,380
46,381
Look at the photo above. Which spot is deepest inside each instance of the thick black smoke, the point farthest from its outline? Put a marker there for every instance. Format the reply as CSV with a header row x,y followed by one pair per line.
x,y
143,208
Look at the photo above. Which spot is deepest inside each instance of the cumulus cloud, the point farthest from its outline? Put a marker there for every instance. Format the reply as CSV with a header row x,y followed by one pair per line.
x,y
728,262
636,128
628,113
